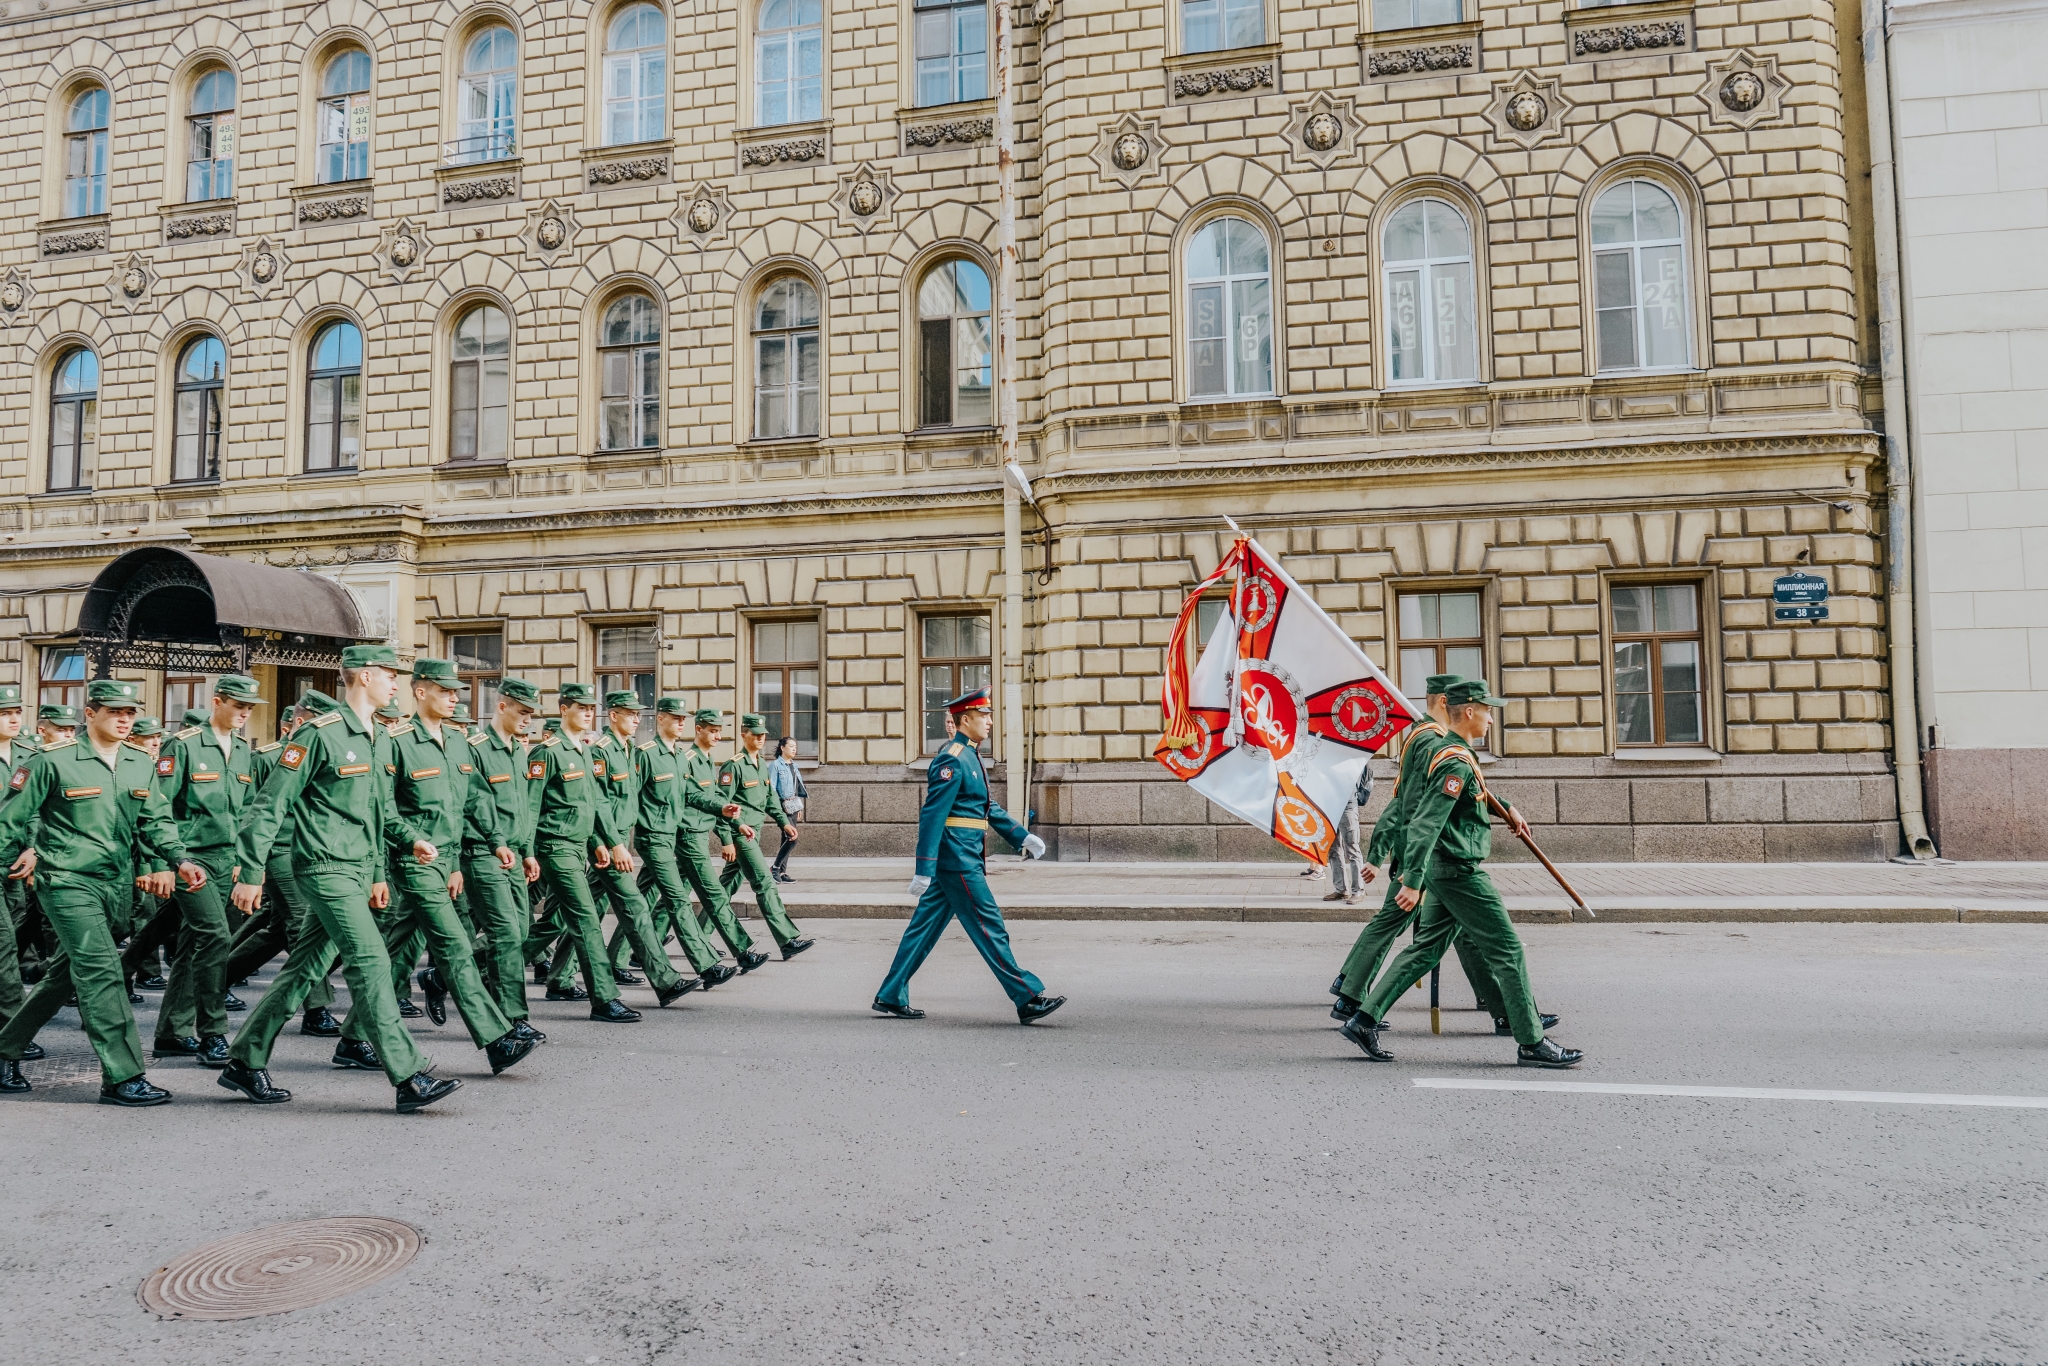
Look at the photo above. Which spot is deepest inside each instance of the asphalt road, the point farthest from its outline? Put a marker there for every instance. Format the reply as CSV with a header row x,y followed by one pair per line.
x,y
1186,1165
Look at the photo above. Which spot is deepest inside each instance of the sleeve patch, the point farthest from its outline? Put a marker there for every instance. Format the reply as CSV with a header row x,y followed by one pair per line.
x,y
293,756
19,780
166,766
537,769
944,774
1453,786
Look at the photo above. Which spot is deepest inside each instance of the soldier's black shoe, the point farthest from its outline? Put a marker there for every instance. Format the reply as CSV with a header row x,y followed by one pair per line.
x,y
1363,1030
718,974
253,1082
233,1004
613,1011
358,1053
522,1030
795,947
32,1052
503,1052
213,1051
422,1089
628,979
882,1007
436,994
1038,1007
187,1047
1343,1008
156,981
135,998
750,960
1502,1027
134,1093
319,1021
12,1083
1337,987
1546,1053
568,993
681,989
407,1009
541,968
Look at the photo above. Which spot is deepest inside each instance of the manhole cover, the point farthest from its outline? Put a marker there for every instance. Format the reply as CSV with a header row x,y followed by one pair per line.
x,y
280,1268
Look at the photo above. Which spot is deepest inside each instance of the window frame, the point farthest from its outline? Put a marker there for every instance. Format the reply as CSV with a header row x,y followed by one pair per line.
x,y
350,108
1185,299
608,678
456,363
926,713
791,336
474,682
1691,265
1186,44
197,686
220,127
1373,13
917,331
781,723
642,108
213,398
82,193
338,373
498,139
52,690
790,39
650,438
1706,633
1487,641
913,66
85,417
1475,301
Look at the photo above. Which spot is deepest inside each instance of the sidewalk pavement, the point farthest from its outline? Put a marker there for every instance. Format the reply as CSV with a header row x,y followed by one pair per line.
x,y
1245,892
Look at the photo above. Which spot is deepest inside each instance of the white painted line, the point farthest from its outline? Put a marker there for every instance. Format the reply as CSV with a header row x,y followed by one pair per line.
x,y
1607,1088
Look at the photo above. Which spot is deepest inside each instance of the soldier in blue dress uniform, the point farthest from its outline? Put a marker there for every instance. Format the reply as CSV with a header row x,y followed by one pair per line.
x,y
951,877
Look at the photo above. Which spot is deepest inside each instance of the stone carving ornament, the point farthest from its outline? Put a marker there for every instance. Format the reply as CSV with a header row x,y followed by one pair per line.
x,y
865,197
131,284
1526,112
1743,90
1595,42
1236,80
470,191
202,225
1407,61
1322,131
769,153
74,243
550,229
16,293
332,210
703,214
625,172
262,267
1128,151
402,249
961,131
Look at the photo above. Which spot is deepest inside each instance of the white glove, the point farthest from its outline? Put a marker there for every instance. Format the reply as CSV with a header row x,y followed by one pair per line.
x,y
918,883
1034,847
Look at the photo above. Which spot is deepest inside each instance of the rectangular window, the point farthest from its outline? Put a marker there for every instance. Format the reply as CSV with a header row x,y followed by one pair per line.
x,y
954,658
786,682
952,51
1440,634
183,694
1658,655
1218,25
62,681
1394,14
628,658
479,662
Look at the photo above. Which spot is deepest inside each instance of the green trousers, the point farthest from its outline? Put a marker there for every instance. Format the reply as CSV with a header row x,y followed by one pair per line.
x,y
693,857
762,881
192,1002
497,908
668,893
424,912
623,891
11,910
1463,903
1369,954
338,894
88,964
565,867
278,925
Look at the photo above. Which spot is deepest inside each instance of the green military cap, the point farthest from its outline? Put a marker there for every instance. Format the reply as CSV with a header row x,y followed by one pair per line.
x,y
551,725
389,712
313,702
1440,683
462,716
520,691
194,716
10,697
578,694
710,716
672,706
370,656
146,726
441,671
754,724
1468,690
622,697
57,714
237,688
112,692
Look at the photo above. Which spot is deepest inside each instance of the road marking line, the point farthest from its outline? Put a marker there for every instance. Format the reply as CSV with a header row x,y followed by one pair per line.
x,y
1606,1088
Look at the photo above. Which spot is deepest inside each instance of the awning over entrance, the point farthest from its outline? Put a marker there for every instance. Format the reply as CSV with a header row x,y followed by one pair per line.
x,y
159,608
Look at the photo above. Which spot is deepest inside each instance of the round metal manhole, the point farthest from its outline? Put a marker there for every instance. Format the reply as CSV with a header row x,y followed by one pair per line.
x,y
277,1269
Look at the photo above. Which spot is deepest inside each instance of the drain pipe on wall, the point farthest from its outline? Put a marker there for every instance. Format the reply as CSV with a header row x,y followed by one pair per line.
x,y
1898,474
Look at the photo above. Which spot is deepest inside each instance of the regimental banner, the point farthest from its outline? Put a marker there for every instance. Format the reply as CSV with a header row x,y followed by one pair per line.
x,y
1282,710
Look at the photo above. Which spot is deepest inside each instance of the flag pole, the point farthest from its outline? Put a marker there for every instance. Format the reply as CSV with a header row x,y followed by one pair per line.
x,y
1543,858
1436,1015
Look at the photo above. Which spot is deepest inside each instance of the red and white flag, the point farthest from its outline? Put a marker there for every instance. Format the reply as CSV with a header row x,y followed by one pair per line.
x,y
1281,712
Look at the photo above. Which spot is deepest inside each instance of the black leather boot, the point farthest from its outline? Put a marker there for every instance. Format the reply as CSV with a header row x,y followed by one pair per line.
x,y
613,1011
253,1082
751,959
1038,1007
522,1030
422,1089
904,1012
503,1052
134,1093
682,987
1363,1030
718,974
12,1083
213,1051
1546,1053
358,1053
795,947
436,994
320,1022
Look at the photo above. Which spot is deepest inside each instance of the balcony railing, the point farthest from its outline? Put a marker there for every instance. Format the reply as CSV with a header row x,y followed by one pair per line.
x,y
482,147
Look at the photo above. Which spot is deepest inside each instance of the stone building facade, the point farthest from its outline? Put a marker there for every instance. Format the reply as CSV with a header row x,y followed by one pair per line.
x,y
650,342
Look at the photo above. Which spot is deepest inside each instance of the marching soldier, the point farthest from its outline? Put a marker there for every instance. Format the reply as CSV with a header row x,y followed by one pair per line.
x,y
498,822
951,878
204,773
744,780
15,749
56,723
1448,835
89,808
700,773
665,798
332,787
617,883
430,794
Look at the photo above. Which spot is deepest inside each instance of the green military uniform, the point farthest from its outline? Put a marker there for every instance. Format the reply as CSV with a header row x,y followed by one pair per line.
x,y
619,886
333,790
572,816
498,816
207,780
700,820
86,817
1448,836
14,754
431,791
284,917
744,779
664,799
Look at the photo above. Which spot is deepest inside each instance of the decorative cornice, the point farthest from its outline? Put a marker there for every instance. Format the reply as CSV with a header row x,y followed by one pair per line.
x,y
339,208
1601,42
967,131
773,153
620,172
734,510
73,237
612,167
213,222
1406,61
481,189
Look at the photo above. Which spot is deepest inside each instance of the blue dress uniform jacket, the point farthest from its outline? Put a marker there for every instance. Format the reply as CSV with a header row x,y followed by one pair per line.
x,y
958,812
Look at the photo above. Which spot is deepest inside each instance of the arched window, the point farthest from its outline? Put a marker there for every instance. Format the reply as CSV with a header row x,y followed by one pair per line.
x,y
956,347
786,362
195,439
629,367
344,123
481,384
789,62
85,152
1431,335
636,77
952,51
1639,291
334,399
74,419
1217,25
1230,311
210,137
485,101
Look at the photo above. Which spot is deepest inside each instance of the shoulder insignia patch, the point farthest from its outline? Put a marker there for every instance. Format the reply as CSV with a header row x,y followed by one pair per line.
x,y
187,733
945,773
955,748
551,741
19,780
1453,785
332,718
647,745
293,756
166,766
597,766
725,776
61,744
402,728
537,769
274,744
478,738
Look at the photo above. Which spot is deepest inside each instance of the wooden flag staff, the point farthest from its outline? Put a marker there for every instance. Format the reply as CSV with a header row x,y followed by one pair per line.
x,y
1501,810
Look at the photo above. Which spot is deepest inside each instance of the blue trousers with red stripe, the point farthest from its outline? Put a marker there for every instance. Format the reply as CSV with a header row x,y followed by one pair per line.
x,y
966,895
